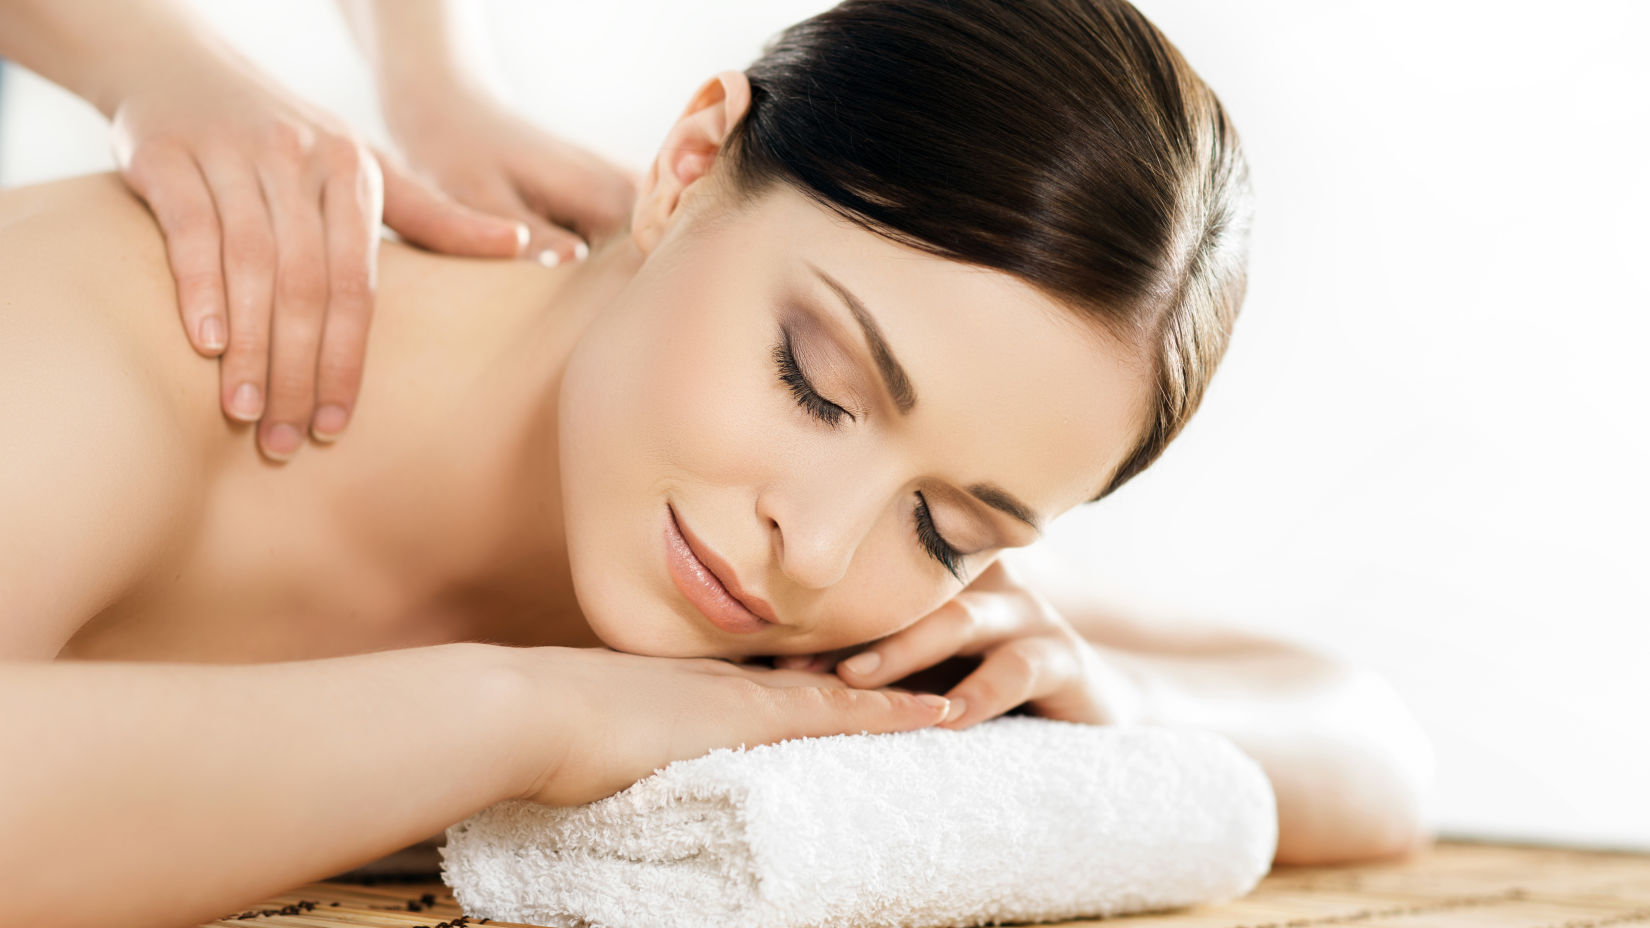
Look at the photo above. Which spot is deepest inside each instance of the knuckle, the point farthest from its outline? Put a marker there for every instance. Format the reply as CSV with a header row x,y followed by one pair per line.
x,y
962,615
297,337
840,699
300,291
289,389
249,244
188,221
352,290
342,154
338,377
145,164
197,281
987,692
288,140
248,329
1022,662
246,355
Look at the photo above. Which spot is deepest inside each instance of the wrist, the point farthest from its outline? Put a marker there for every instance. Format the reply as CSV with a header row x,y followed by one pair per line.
x,y
425,105
520,697
191,57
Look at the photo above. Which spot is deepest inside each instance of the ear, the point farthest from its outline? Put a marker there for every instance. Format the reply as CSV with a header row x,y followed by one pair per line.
x,y
687,154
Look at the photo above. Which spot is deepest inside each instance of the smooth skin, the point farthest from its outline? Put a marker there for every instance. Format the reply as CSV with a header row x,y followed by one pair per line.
x,y
271,207
479,579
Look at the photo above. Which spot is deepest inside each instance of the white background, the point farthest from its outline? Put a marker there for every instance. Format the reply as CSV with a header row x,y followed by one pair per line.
x,y
1425,451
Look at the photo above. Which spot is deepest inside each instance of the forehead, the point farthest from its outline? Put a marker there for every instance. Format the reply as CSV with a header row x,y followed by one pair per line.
x,y
1013,387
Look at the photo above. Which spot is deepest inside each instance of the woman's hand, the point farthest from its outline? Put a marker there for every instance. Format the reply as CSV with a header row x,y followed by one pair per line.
x,y
271,212
493,160
1032,656
610,718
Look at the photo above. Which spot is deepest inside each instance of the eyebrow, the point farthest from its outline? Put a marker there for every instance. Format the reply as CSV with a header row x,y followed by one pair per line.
x,y
898,384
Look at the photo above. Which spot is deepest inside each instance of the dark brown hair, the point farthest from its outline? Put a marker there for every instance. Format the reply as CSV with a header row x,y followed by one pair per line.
x,y
1066,142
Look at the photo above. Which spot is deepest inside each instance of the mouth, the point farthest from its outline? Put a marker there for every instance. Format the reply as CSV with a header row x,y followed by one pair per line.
x,y
702,586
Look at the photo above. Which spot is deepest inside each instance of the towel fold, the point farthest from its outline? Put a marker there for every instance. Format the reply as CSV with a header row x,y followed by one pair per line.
x,y
1016,819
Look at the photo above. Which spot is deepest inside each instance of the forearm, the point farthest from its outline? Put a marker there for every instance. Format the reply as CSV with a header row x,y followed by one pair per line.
x,y
101,51
181,791
1349,765
419,51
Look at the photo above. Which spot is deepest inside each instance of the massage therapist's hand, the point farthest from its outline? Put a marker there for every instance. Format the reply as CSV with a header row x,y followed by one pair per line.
x,y
1031,655
271,213
489,158
610,718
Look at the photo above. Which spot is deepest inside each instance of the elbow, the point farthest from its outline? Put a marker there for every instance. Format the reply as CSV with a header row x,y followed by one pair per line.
x,y
1366,791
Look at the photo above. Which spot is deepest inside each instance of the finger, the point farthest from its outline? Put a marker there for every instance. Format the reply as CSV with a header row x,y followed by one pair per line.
x,y
821,711
249,270
1017,671
548,244
177,194
783,677
580,191
299,308
965,624
429,218
351,201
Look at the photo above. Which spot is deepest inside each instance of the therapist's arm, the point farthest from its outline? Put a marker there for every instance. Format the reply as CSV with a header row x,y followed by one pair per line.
x,y
99,50
443,102
270,206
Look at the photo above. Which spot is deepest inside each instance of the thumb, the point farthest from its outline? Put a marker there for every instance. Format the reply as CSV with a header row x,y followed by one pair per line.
x,y
425,216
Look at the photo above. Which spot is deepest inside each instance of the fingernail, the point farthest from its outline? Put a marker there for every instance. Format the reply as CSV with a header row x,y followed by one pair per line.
x,y
246,403
329,421
549,258
958,707
863,663
522,235
212,333
935,701
581,251
283,442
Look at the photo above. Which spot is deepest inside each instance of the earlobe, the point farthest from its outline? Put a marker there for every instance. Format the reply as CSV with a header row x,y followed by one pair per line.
x,y
688,153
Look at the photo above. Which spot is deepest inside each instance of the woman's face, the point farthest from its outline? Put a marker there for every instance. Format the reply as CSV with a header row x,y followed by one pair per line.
x,y
839,429
680,402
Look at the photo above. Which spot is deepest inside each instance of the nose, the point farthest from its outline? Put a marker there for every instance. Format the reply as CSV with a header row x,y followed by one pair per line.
x,y
818,524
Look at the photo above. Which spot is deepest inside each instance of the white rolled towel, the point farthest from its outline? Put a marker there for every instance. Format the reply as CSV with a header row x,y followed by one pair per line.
x,y
1017,819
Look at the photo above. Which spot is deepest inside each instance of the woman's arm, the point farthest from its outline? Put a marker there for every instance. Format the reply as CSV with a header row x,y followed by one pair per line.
x,y
1350,766
170,794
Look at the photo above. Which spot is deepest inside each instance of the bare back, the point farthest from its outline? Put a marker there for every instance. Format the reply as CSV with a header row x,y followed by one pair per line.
x,y
150,526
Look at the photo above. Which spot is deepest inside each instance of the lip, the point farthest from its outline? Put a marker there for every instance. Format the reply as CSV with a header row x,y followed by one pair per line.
x,y
703,578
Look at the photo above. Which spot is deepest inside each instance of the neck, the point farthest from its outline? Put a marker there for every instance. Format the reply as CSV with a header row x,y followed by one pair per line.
x,y
456,498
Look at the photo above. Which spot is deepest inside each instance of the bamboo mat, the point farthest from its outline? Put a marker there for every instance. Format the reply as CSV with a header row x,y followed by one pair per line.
x,y
1452,883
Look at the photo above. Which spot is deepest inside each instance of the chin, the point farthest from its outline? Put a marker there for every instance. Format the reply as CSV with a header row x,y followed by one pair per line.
x,y
625,611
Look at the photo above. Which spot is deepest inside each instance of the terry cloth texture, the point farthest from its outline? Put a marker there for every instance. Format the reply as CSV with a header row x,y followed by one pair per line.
x,y
1015,819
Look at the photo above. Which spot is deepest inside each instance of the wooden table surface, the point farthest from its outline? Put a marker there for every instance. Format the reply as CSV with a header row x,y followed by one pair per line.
x,y
1452,883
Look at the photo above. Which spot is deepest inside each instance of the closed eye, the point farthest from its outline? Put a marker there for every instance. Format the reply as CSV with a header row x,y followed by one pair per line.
x,y
790,374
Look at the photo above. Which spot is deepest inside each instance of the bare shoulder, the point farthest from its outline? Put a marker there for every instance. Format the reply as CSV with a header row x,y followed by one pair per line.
x,y
101,462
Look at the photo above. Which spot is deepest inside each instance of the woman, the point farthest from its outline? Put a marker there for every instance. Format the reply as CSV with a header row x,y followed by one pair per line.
x,y
859,338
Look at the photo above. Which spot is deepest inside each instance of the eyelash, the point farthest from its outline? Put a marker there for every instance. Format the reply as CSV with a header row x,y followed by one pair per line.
x,y
790,374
